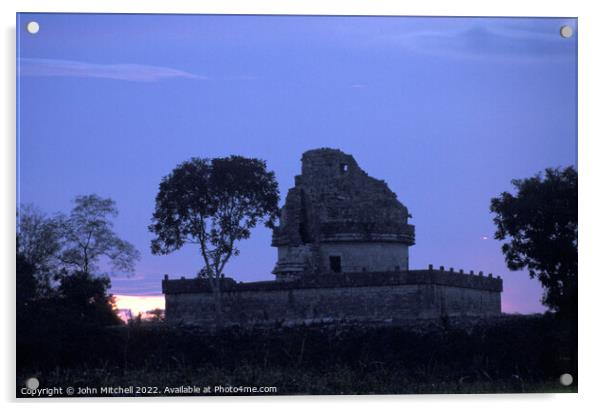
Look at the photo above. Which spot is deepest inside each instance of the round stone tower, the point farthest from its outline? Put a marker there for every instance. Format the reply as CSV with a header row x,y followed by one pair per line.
x,y
337,219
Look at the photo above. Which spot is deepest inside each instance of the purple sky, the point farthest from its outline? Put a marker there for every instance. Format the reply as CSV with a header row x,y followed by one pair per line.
x,y
446,110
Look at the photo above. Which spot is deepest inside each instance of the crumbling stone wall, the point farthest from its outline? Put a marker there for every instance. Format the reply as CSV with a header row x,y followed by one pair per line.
x,y
336,209
418,294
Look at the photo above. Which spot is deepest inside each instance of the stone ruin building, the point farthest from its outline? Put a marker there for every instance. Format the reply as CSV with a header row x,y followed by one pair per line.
x,y
342,246
337,219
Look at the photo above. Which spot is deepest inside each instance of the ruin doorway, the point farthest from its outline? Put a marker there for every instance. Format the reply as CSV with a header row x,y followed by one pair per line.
x,y
335,263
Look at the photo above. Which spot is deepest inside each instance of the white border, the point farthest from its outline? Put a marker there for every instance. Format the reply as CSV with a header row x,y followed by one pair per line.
x,y
590,134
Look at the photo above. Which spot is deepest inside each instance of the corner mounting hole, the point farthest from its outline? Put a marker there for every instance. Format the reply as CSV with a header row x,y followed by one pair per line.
x,y
33,27
32,383
566,32
566,379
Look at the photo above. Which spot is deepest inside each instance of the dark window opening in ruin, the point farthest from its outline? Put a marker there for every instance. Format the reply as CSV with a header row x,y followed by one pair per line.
x,y
344,167
396,268
335,263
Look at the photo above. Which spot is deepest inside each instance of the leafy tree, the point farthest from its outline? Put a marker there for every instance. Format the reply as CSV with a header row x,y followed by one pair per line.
x,y
87,235
87,299
59,323
26,284
540,221
38,244
213,204
58,327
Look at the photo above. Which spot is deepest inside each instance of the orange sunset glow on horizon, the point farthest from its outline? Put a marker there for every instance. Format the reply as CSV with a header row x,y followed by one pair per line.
x,y
143,303
139,303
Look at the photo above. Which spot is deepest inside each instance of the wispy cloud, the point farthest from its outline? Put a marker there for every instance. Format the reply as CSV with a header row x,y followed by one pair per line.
x,y
497,42
123,72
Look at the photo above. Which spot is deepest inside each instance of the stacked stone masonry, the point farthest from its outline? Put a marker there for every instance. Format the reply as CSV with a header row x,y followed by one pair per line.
x,y
338,219
415,294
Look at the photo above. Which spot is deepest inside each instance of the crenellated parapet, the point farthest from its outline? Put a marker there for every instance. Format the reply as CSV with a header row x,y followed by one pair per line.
x,y
442,277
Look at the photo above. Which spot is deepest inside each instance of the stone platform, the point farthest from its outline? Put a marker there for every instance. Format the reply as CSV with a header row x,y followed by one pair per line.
x,y
370,296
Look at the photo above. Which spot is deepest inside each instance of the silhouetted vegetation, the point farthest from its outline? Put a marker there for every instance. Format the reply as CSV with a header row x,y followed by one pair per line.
x,y
38,248
213,204
63,306
87,236
68,334
541,223
77,241
510,354
67,327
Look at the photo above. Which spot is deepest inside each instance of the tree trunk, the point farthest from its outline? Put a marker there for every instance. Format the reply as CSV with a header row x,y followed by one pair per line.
x,y
217,301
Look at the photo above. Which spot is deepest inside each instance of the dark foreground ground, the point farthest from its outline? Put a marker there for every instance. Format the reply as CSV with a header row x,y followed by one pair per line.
x,y
513,354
